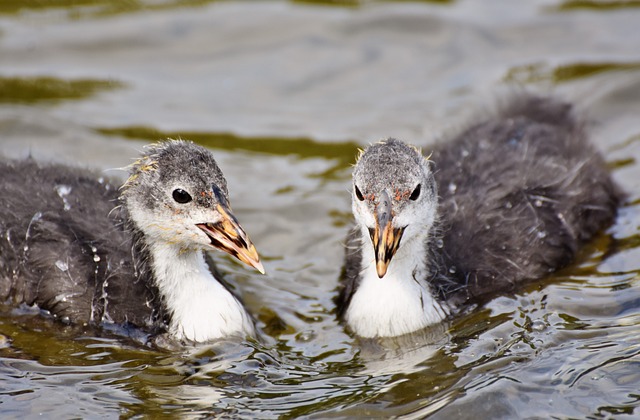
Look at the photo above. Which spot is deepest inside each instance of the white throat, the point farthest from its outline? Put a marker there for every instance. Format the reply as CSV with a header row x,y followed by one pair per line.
x,y
398,303
201,308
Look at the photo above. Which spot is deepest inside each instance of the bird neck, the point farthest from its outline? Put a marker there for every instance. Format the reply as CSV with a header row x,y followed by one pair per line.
x,y
200,307
399,303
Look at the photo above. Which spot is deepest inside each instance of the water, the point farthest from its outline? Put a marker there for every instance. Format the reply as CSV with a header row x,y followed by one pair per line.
x,y
284,93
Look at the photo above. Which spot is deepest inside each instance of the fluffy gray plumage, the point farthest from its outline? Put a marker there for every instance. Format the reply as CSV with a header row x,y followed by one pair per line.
x,y
518,195
69,244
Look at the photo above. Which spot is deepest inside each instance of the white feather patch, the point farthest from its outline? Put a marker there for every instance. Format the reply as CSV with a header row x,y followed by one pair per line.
x,y
398,303
202,309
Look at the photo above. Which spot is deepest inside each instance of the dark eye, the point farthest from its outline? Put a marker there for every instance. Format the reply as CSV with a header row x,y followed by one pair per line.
x,y
415,194
181,196
359,194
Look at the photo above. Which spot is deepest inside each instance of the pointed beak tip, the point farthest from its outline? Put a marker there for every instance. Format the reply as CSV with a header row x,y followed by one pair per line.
x,y
381,269
254,258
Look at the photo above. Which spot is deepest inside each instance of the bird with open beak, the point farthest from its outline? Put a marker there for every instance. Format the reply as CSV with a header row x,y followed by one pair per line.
x,y
177,197
394,198
395,206
520,193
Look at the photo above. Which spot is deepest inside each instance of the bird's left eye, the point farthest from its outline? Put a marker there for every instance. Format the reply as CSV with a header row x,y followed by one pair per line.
x,y
181,196
415,194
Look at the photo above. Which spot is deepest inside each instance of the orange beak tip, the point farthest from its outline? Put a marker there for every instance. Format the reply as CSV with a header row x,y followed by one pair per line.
x,y
381,269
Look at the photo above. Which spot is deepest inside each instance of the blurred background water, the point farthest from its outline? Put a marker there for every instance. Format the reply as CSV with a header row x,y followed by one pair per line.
x,y
284,93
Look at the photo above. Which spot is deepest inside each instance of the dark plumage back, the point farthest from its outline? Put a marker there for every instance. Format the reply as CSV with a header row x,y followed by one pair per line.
x,y
64,248
519,194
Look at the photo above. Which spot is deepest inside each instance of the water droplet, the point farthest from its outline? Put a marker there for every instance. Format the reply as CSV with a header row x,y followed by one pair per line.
x,y
96,257
465,153
62,266
439,243
538,325
452,187
542,234
60,298
508,205
26,248
452,269
537,203
63,191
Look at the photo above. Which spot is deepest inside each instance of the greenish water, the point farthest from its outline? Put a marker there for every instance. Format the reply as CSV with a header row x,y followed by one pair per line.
x,y
536,73
22,90
284,94
77,9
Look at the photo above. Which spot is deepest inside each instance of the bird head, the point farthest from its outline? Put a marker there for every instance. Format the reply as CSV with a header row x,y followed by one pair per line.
x,y
176,194
394,197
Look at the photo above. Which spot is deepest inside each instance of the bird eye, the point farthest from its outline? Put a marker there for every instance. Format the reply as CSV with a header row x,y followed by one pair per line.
x,y
415,194
181,196
359,194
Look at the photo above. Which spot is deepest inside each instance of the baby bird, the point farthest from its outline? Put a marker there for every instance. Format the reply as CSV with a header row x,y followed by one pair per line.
x,y
75,245
509,200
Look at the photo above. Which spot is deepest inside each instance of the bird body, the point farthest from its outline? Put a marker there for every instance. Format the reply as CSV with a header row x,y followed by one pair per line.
x,y
507,201
73,244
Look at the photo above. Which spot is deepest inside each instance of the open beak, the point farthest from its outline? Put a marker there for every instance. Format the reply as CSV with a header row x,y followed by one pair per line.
x,y
385,238
227,235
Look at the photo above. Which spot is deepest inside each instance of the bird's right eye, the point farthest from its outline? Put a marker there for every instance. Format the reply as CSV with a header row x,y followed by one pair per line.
x,y
181,196
415,194
359,194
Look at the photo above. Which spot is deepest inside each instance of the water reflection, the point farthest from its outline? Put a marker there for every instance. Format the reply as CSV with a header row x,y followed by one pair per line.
x,y
78,9
33,90
342,152
597,5
540,72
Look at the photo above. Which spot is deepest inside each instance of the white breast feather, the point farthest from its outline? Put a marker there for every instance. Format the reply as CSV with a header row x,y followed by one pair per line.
x,y
202,309
397,303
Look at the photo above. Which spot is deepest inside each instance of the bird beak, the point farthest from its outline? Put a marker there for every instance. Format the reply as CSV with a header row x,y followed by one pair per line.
x,y
227,235
385,238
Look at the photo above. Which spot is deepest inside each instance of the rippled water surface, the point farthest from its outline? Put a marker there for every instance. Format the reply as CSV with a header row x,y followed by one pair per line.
x,y
284,93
